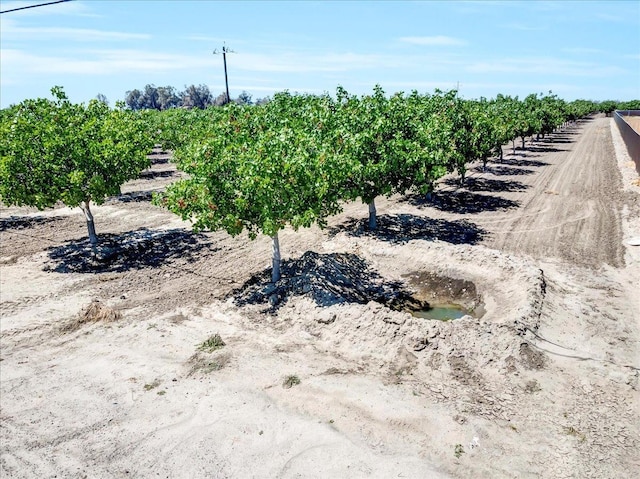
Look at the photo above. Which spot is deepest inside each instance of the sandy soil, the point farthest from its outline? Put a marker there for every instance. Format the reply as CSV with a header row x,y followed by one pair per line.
x,y
543,384
634,121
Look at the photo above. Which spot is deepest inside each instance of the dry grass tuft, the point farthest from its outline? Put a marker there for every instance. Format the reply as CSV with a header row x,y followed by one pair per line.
x,y
94,313
205,363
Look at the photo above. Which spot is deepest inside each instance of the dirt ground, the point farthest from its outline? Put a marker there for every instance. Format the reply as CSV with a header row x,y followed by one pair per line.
x,y
634,121
110,366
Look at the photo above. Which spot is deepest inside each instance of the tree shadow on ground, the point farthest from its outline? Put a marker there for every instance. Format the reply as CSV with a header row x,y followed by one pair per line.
x,y
545,149
155,160
463,202
504,170
133,197
487,184
559,139
25,222
404,227
142,248
514,162
151,175
520,152
328,279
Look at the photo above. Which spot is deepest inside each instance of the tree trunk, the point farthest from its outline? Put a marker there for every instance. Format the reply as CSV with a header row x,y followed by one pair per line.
x,y
513,143
93,238
373,223
523,142
275,261
501,153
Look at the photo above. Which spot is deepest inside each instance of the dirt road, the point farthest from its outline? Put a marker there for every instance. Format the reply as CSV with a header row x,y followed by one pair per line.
x,y
558,198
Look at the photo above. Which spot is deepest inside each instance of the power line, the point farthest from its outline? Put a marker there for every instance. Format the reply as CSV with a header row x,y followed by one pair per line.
x,y
34,6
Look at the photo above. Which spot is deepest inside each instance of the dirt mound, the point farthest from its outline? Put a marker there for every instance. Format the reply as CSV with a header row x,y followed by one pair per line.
x,y
328,279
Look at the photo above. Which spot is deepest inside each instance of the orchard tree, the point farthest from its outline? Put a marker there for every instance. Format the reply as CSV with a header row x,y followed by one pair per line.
x,y
607,107
180,126
484,134
54,150
629,105
394,144
503,119
260,169
526,124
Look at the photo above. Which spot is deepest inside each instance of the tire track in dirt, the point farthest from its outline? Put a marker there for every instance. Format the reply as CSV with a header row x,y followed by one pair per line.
x,y
573,207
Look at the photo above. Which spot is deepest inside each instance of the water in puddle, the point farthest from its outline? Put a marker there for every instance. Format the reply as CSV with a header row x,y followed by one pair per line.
x,y
445,312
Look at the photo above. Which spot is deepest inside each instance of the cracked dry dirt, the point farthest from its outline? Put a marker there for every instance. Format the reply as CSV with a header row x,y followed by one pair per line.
x,y
546,381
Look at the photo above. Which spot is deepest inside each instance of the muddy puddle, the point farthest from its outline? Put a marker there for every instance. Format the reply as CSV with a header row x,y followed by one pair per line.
x,y
443,298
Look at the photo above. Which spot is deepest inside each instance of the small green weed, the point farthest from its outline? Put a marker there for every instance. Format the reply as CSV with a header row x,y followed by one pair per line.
x,y
213,343
290,381
458,451
153,385
204,363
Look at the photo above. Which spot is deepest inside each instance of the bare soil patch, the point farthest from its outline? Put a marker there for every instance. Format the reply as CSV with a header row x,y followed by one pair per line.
x,y
634,121
543,382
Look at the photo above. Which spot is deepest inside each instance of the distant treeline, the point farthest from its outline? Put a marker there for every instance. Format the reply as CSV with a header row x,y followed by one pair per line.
x,y
200,96
166,97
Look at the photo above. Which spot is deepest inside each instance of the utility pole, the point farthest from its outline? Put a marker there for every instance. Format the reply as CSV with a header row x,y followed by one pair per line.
x,y
225,50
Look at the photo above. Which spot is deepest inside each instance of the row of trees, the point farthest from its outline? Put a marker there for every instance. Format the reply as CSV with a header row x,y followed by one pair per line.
x,y
167,97
293,160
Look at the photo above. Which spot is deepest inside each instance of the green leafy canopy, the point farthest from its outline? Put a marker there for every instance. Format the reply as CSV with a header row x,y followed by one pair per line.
x,y
55,150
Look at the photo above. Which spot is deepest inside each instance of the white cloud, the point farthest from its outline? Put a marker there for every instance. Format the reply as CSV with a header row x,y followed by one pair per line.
x,y
544,66
12,30
305,63
585,51
97,62
204,38
610,18
438,40
113,61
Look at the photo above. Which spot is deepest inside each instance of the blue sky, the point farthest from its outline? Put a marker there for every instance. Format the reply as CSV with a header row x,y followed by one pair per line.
x,y
576,49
